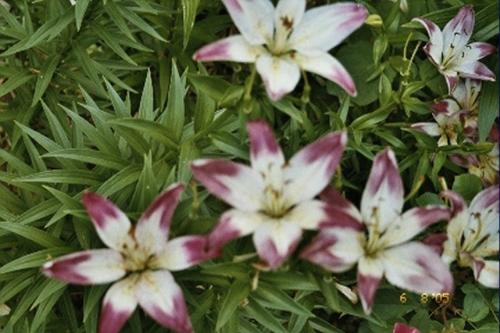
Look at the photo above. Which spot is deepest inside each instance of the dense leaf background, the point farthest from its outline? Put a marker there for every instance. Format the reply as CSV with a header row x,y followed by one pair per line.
x,y
104,96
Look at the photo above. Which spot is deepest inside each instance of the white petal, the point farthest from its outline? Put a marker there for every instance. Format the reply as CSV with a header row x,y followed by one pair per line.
x,y
370,272
458,222
475,70
476,51
111,224
276,240
118,305
434,48
382,199
335,249
152,230
458,30
311,215
87,267
162,299
286,17
280,75
254,19
311,169
431,129
451,79
330,68
234,48
183,252
466,93
351,216
413,222
265,153
483,223
237,184
324,27
416,267
233,224
486,273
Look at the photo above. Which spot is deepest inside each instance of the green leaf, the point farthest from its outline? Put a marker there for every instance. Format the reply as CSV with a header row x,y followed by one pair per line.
x,y
189,9
14,82
475,307
80,9
15,286
45,77
488,109
146,110
235,295
50,287
112,43
136,20
89,156
280,300
188,153
155,130
33,234
467,185
82,177
34,259
221,91
254,311
175,111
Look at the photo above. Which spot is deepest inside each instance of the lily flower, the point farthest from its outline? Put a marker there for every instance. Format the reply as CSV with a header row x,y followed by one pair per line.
x,y
484,166
385,249
272,199
139,258
447,123
403,328
284,40
450,52
473,235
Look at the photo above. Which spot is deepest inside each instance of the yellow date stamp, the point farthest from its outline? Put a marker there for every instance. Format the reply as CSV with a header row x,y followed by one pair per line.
x,y
439,298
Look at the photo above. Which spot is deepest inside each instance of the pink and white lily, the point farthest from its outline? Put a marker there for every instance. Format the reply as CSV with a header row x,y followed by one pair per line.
x,y
284,40
454,115
484,166
449,50
272,199
385,249
447,123
139,258
403,328
473,235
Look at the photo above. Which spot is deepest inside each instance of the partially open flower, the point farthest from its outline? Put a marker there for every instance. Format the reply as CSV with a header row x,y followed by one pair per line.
x,y
385,249
455,115
484,166
473,235
272,199
447,126
284,40
450,52
140,258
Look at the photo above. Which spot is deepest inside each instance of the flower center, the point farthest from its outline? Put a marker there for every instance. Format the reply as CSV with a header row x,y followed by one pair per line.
x,y
136,259
275,204
373,245
452,55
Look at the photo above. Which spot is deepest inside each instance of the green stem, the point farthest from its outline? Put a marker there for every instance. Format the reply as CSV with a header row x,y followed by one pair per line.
x,y
249,86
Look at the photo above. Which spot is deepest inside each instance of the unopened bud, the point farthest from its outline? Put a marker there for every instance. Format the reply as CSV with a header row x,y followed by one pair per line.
x,y
374,20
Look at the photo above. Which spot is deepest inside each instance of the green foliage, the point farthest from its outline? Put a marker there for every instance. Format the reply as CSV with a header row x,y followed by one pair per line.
x,y
104,96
